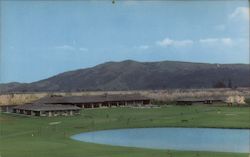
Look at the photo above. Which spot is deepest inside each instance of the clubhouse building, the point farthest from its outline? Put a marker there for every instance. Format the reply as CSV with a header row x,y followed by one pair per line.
x,y
48,110
71,105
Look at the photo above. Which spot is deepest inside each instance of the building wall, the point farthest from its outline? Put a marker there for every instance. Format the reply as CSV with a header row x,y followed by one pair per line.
x,y
47,113
112,103
8,108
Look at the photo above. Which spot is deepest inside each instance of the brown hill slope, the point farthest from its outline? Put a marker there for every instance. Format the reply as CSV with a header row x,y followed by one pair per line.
x,y
132,75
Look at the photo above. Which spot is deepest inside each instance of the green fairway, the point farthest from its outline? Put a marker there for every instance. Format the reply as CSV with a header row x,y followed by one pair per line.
x,y
22,136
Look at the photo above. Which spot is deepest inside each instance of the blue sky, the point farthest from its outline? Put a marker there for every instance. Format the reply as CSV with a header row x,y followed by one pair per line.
x,y
43,38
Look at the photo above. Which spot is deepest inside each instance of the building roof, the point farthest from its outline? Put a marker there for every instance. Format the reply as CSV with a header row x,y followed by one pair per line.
x,y
125,97
90,98
46,107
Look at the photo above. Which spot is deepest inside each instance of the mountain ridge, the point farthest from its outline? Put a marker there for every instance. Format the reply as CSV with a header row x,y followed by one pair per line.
x,y
134,75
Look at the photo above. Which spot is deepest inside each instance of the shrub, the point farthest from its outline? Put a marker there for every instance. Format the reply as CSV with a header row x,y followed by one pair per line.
x,y
247,101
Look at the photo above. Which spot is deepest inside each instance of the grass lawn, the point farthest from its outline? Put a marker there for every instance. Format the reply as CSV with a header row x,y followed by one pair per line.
x,y
22,136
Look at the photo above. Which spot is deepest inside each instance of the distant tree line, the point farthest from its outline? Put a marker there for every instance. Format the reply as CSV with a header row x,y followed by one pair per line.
x,y
223,84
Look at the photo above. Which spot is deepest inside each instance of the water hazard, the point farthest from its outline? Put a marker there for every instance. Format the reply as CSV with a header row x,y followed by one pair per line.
x,y
195,139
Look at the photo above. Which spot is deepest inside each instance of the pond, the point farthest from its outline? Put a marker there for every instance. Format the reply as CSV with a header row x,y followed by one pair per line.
x,y
195,139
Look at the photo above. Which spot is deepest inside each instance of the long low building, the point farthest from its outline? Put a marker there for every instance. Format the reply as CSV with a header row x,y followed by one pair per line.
x,y
190,101
95,101
71,105
48,110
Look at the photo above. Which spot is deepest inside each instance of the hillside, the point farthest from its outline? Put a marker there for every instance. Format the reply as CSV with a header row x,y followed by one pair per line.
x,y
132,75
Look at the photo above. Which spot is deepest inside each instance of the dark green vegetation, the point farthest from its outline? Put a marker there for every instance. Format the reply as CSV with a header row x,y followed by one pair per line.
x,y
42,137
132,75
247,101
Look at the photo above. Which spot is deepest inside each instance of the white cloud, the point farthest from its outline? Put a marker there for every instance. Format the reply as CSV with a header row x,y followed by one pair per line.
x,y
227,41
70,48
170,42
83,49
183,43
130,2
143,47
240,13
212,41
65,47
165,42
208,40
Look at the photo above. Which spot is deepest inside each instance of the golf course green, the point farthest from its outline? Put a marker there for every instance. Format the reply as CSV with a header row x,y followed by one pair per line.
x,y
23,136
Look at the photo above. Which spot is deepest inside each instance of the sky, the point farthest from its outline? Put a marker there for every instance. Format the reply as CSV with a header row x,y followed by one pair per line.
x,y
42,38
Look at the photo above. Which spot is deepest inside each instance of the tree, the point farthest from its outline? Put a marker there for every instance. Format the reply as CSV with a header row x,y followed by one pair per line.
x,y
229,85
219,84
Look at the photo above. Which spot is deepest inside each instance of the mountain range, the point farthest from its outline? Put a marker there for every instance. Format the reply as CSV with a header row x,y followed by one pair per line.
x,y
133,75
